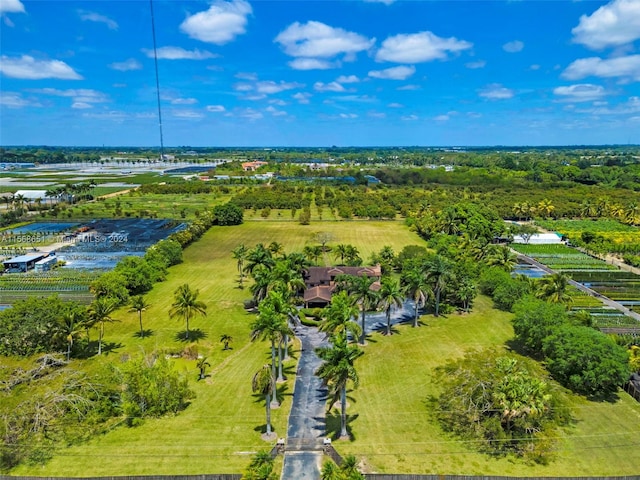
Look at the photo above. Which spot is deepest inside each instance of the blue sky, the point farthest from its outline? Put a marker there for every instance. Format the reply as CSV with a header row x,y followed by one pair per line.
x,y
320,73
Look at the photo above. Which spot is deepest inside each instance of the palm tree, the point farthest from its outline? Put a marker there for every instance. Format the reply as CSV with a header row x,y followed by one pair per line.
x,y
340,251
359,287
261,280
336,371
352,256
100,312
284,310
202,365
226,340
439,274
72,324
553,288
338,317
312,252
466,292
186,305
240,254
139,304
259,255
276,248
390,296
285,279
503,258
264,383
416,287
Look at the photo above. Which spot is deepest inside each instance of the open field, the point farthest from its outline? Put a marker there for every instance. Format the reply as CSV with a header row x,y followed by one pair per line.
x,y
222,426
393,431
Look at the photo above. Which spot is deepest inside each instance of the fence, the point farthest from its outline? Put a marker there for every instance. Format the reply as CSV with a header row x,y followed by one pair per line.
x,y
633,391
378,476
213,476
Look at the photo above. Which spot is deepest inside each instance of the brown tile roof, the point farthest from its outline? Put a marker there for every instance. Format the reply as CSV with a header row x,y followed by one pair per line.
x,y
314,294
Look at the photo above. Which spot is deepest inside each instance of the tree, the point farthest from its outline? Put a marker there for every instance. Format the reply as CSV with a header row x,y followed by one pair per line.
x,y
226,340
534,320
500,403
359,287
340,251
139,304
348,470
100,312
264,384
337,319
72,324
240,254
390,296
439,274
585,360
416,287
503,258
202,365
259,255
111,285
228,214
276,248
337,370
553,288
261,467
186,305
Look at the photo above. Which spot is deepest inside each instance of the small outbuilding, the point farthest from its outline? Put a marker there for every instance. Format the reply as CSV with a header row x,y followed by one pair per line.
x,y
540,239
23,263
46,264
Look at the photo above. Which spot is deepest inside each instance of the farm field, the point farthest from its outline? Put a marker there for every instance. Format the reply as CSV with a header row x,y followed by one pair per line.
x,y
391,426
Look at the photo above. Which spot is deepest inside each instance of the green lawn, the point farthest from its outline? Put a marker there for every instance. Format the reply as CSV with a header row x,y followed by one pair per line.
x,y
393,431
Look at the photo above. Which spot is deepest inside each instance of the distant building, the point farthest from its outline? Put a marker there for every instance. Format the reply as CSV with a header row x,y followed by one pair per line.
x,y
46,264
31,195
540,239
23,263
253,166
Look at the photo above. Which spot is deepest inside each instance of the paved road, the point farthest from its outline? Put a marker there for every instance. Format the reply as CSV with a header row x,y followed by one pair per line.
x,y
303,451
607,301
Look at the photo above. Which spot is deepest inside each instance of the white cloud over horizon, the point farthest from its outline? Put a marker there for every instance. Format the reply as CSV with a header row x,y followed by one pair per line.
x,y
513,47
179,53
496,91
624,67
98,18
582,92
311,64
401,72
126,66
220,24
419,47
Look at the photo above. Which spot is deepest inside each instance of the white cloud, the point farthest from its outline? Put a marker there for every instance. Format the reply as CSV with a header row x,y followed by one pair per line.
x,y
395,105
246,76
386,2
127,65
28,68
347,79
477,64
348,115
628,66
442,118
184,101
96,17
187,114
513,47
409,87
243,87
275,112
11,6
248,113
328,87
377,115
82,97
582,92
401,72
221,24
614,24
409,117
534,67
419,47
179,53
318,40
16,100
278,101
215,108
311,64
302,98
268,87
630,107
496,91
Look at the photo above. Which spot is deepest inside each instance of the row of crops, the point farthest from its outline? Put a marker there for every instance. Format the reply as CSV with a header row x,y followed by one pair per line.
x,y
56,281
563,258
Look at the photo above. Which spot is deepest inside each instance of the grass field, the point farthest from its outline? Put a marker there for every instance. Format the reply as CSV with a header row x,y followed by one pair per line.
x,y
392,431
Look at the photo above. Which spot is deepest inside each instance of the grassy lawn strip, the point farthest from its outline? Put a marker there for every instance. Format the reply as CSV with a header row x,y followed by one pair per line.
x,y
395,433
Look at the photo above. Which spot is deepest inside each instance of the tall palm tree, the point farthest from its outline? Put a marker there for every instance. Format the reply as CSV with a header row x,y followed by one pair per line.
x,y
240,254
264,383
416,287
139,304
186,305
261,280
503,258
553,288
390,296
259,255
72,324
285,279
100,312
340,251
359,287
337,319
336,371
439,274
276,249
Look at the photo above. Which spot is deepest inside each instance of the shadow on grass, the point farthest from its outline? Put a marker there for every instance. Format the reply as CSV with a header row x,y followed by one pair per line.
x,y
144,333
110,347
333,424
190,336
516,346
